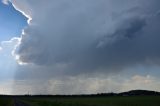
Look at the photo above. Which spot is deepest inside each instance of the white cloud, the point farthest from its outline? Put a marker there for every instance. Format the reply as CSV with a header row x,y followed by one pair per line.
x,y
23,7
5,2
0,48
141,82
8,63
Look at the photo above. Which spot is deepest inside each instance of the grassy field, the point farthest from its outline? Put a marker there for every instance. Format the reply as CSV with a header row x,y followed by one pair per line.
x,y
95,101
85,101
6,101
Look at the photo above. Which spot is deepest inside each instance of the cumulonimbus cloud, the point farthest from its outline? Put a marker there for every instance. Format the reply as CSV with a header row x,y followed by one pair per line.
x,y
88,35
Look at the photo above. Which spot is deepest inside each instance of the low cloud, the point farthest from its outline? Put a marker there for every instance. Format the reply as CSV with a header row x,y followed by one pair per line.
x,y
141,82
86,85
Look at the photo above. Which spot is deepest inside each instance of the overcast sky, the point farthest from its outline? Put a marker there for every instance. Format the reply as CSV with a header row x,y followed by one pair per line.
x,y
79,46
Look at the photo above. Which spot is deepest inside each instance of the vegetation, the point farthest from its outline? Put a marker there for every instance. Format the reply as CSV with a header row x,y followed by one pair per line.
x,y
131,98
6,101
95,101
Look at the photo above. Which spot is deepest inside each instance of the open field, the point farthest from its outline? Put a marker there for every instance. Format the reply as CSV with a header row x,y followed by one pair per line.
x,y
82,101
94,101
6,101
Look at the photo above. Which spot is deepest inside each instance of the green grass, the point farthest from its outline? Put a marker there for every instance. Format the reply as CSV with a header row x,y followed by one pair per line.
x,y
95,101
85,101
4,101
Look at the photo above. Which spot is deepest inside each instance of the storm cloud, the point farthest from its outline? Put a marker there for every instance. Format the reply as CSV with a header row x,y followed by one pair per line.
x,y
83,46
90,35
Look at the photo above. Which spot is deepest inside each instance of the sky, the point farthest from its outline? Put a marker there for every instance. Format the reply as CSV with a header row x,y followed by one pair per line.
x,y
79,46
12,22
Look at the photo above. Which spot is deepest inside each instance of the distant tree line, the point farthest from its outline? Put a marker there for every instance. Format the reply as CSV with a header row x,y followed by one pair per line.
x,y
129,93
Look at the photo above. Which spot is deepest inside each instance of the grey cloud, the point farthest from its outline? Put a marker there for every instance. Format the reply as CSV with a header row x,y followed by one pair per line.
x,y
116,50
92,35
137,44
